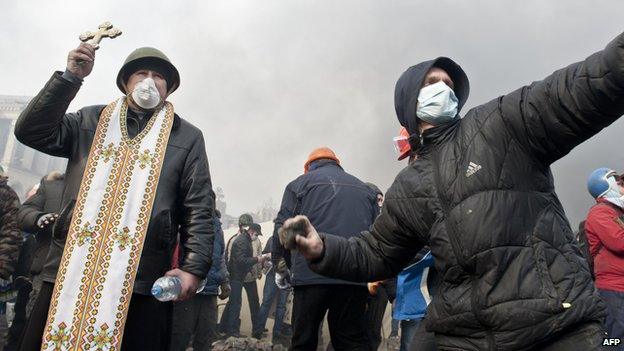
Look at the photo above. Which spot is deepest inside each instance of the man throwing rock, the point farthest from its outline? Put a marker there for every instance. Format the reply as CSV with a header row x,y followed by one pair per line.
x,y
481,194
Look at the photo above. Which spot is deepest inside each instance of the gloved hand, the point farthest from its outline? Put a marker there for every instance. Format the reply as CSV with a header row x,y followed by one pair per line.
x,y
225,290
282,279
281,266
266,267
22,282
46,220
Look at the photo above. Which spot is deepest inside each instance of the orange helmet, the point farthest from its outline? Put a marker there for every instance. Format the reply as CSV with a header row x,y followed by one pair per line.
x,y
401,144
320,153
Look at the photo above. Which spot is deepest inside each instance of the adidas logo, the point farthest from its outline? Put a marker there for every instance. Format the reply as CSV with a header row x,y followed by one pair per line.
x,y
472,169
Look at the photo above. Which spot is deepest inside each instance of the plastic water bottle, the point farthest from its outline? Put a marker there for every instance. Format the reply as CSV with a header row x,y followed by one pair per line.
x,y
166,288
169,288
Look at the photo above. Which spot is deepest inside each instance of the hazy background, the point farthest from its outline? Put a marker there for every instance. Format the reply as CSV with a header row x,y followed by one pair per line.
x,y
268,81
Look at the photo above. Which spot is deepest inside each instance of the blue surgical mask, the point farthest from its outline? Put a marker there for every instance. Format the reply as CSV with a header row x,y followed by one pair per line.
x,y
437,104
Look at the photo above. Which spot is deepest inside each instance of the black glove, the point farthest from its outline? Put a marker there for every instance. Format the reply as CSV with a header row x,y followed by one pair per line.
x,y
225,290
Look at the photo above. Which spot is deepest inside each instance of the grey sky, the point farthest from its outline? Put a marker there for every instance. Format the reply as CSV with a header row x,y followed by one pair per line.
x,y
267,81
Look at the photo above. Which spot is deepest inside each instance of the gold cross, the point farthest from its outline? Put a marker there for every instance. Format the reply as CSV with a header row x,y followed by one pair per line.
x,y
105,30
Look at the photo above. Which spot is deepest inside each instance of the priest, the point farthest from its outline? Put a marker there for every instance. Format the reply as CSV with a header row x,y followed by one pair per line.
x,y
137,176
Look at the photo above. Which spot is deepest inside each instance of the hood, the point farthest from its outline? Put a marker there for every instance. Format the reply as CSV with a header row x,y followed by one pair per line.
x,y
409,84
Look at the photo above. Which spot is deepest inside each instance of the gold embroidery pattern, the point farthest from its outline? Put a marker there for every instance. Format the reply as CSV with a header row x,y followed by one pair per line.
x,y
92,272
124,126
143,219
102,339
85,185
110,151
146,158
59,337
86,234
123,238
102,262
101,246
131,269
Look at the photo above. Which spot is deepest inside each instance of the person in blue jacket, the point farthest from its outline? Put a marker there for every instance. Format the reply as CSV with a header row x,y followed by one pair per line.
x,y
416,285
197,317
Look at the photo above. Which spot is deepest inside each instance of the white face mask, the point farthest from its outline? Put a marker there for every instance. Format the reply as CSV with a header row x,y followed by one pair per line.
x,y
613,195
437,104
145,94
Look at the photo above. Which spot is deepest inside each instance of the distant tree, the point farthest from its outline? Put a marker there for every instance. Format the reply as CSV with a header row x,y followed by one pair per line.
x,y
220,201
267,212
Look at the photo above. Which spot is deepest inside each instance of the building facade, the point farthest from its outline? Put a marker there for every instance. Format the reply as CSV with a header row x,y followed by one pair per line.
x,y
25,166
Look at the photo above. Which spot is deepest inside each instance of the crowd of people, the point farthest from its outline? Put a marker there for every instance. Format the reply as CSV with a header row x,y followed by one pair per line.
x,y
470,244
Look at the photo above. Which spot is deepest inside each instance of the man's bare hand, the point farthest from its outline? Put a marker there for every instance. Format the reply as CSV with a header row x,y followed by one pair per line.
x,y
80,60
189,283
307,240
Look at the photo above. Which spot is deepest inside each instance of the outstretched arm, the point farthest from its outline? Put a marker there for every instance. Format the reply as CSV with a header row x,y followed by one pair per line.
x,y
394,239
550,117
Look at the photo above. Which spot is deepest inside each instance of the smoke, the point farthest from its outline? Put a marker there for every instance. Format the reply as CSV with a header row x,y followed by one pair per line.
x,y
268,81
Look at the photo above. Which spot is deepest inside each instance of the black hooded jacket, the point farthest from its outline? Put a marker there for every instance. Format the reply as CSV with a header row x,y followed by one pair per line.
x,y
482,195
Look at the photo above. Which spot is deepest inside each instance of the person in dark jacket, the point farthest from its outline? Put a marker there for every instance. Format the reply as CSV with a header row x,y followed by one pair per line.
x,y
271,294
378,297
482,195
339,203
197,316
378,193
36,217
184,200
240,263
10,235
604,229
249,285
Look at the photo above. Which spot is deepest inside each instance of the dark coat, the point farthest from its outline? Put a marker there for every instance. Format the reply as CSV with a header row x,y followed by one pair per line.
x,y
335,202
46,200
184,200
10,235
482,195
218,273
241,257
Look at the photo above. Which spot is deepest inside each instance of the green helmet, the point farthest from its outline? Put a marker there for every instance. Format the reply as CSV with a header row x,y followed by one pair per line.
x,y
148,58
245,219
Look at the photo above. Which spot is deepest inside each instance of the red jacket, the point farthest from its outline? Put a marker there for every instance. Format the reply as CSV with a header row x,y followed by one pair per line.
x,y
605,234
